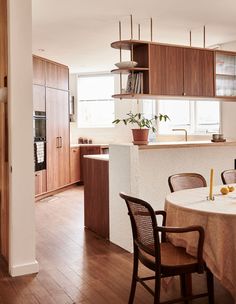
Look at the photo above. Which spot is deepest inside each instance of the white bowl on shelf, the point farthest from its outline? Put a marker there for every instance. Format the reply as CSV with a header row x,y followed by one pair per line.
x,y
126,64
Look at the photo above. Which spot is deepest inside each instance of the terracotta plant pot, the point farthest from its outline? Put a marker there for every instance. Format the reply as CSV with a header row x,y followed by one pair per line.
x,y
140,136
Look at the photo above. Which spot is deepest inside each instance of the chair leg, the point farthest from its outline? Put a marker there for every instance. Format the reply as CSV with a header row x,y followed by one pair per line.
x,y
134,277
210,286
184,285
157,289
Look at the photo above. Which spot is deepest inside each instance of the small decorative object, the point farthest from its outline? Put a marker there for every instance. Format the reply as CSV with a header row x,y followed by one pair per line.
x,y
80,140
126,64
218,138
140,135
224,190
90,141
85,140
211,196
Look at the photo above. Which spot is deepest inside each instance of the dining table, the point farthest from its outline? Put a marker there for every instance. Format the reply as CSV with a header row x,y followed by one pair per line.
x,y
218,218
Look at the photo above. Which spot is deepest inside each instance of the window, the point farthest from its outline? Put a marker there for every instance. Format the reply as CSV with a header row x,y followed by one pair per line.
x,y
197,117
95,105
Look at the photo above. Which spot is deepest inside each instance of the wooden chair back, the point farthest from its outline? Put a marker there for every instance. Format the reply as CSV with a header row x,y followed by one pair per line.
x,y
228,176
183,181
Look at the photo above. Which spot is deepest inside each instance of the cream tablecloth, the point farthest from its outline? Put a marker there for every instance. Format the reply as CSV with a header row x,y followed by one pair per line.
x,y
218,218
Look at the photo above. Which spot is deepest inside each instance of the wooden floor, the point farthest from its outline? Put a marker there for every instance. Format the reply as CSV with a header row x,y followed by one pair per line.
x,y
76,266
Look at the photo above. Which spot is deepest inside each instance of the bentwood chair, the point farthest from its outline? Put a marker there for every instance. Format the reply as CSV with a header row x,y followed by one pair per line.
x,y
228,176
160,256
183,181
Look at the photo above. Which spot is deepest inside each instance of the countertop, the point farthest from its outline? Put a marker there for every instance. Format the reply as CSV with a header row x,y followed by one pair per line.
x,y
186,144
104,157
89,145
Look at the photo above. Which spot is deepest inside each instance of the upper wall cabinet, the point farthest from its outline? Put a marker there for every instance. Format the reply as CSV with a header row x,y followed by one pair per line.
x,y
225,74
173,70
198,73
166,70
38,71
56,76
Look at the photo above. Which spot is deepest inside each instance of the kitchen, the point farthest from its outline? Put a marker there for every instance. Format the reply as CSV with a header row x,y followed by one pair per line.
x,y
102,136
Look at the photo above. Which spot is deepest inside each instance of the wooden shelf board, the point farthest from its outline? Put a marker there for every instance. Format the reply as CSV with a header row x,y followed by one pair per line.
x,y
149,96
226,75
127,44
128,70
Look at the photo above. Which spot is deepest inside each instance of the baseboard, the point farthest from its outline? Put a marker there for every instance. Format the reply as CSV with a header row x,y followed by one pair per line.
x,y
24,269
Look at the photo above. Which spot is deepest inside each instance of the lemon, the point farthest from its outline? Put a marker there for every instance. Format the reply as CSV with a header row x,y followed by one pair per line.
x,y
224,190
231,188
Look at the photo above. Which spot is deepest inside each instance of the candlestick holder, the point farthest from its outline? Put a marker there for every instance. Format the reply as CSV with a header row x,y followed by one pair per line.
x,y
210,198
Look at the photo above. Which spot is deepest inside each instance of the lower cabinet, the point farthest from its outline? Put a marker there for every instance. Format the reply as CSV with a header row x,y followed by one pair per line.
x,y
74,165
87,150
40,182
96,196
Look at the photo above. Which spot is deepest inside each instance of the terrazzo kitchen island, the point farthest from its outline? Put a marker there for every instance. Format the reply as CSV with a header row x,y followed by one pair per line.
x,y
143,171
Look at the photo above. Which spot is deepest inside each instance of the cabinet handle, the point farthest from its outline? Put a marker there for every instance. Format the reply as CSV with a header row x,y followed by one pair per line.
x,y
57,142
184,93
60,142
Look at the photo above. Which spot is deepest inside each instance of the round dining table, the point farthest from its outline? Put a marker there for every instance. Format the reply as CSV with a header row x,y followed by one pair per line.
x,y
218,218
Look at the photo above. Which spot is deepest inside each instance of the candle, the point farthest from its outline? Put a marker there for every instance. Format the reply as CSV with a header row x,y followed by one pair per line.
x,y
211,185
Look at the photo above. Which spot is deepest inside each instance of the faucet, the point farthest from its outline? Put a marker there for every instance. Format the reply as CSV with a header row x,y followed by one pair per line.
x,y
185,133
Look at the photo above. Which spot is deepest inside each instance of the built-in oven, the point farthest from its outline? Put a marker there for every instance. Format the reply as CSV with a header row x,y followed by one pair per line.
x,y
39,126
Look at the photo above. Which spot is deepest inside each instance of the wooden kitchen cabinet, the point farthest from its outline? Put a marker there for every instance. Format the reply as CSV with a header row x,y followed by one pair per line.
x,y
74,165
40,182
57,76
198,72
50,94
57,111
96,196
171,70
39,71
87,150
166,70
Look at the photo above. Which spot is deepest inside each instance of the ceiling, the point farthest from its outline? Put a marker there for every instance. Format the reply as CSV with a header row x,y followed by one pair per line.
x,y
78,33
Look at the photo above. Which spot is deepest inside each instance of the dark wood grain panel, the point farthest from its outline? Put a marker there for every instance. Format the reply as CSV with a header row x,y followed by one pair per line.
x,y
207,68
166,70
87,150
198,72
96,196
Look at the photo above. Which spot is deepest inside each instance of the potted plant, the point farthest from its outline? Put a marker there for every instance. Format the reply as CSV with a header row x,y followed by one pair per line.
x,y
140,134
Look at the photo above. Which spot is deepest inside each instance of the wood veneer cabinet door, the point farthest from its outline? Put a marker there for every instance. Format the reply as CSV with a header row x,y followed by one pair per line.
x,y
40,182
166,70
63,78
74,165
52,139
198,73
64,138
38,71
51,75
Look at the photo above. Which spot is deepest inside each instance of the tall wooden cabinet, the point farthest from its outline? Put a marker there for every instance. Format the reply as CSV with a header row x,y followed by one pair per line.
x,y
51,87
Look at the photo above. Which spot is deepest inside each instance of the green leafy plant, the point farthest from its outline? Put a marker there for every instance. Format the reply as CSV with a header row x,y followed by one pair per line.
x,y
141,121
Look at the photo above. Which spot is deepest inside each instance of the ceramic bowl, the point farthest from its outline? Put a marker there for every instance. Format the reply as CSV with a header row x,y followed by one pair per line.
x,y
126,64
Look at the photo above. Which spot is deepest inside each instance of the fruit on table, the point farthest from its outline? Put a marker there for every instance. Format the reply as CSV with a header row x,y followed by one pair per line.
x,y
224,190
231,188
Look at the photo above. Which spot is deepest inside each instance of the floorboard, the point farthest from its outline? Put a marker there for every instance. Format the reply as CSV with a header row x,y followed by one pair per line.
x,y
76,266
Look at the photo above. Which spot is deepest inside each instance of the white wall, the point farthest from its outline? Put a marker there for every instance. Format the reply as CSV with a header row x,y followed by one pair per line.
x,y
22,217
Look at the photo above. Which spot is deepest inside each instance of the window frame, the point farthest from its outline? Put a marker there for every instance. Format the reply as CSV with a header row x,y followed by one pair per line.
x,y
193,130
93,75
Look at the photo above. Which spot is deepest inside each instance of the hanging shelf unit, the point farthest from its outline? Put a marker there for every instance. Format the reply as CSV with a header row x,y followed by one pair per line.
x,y
175,71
